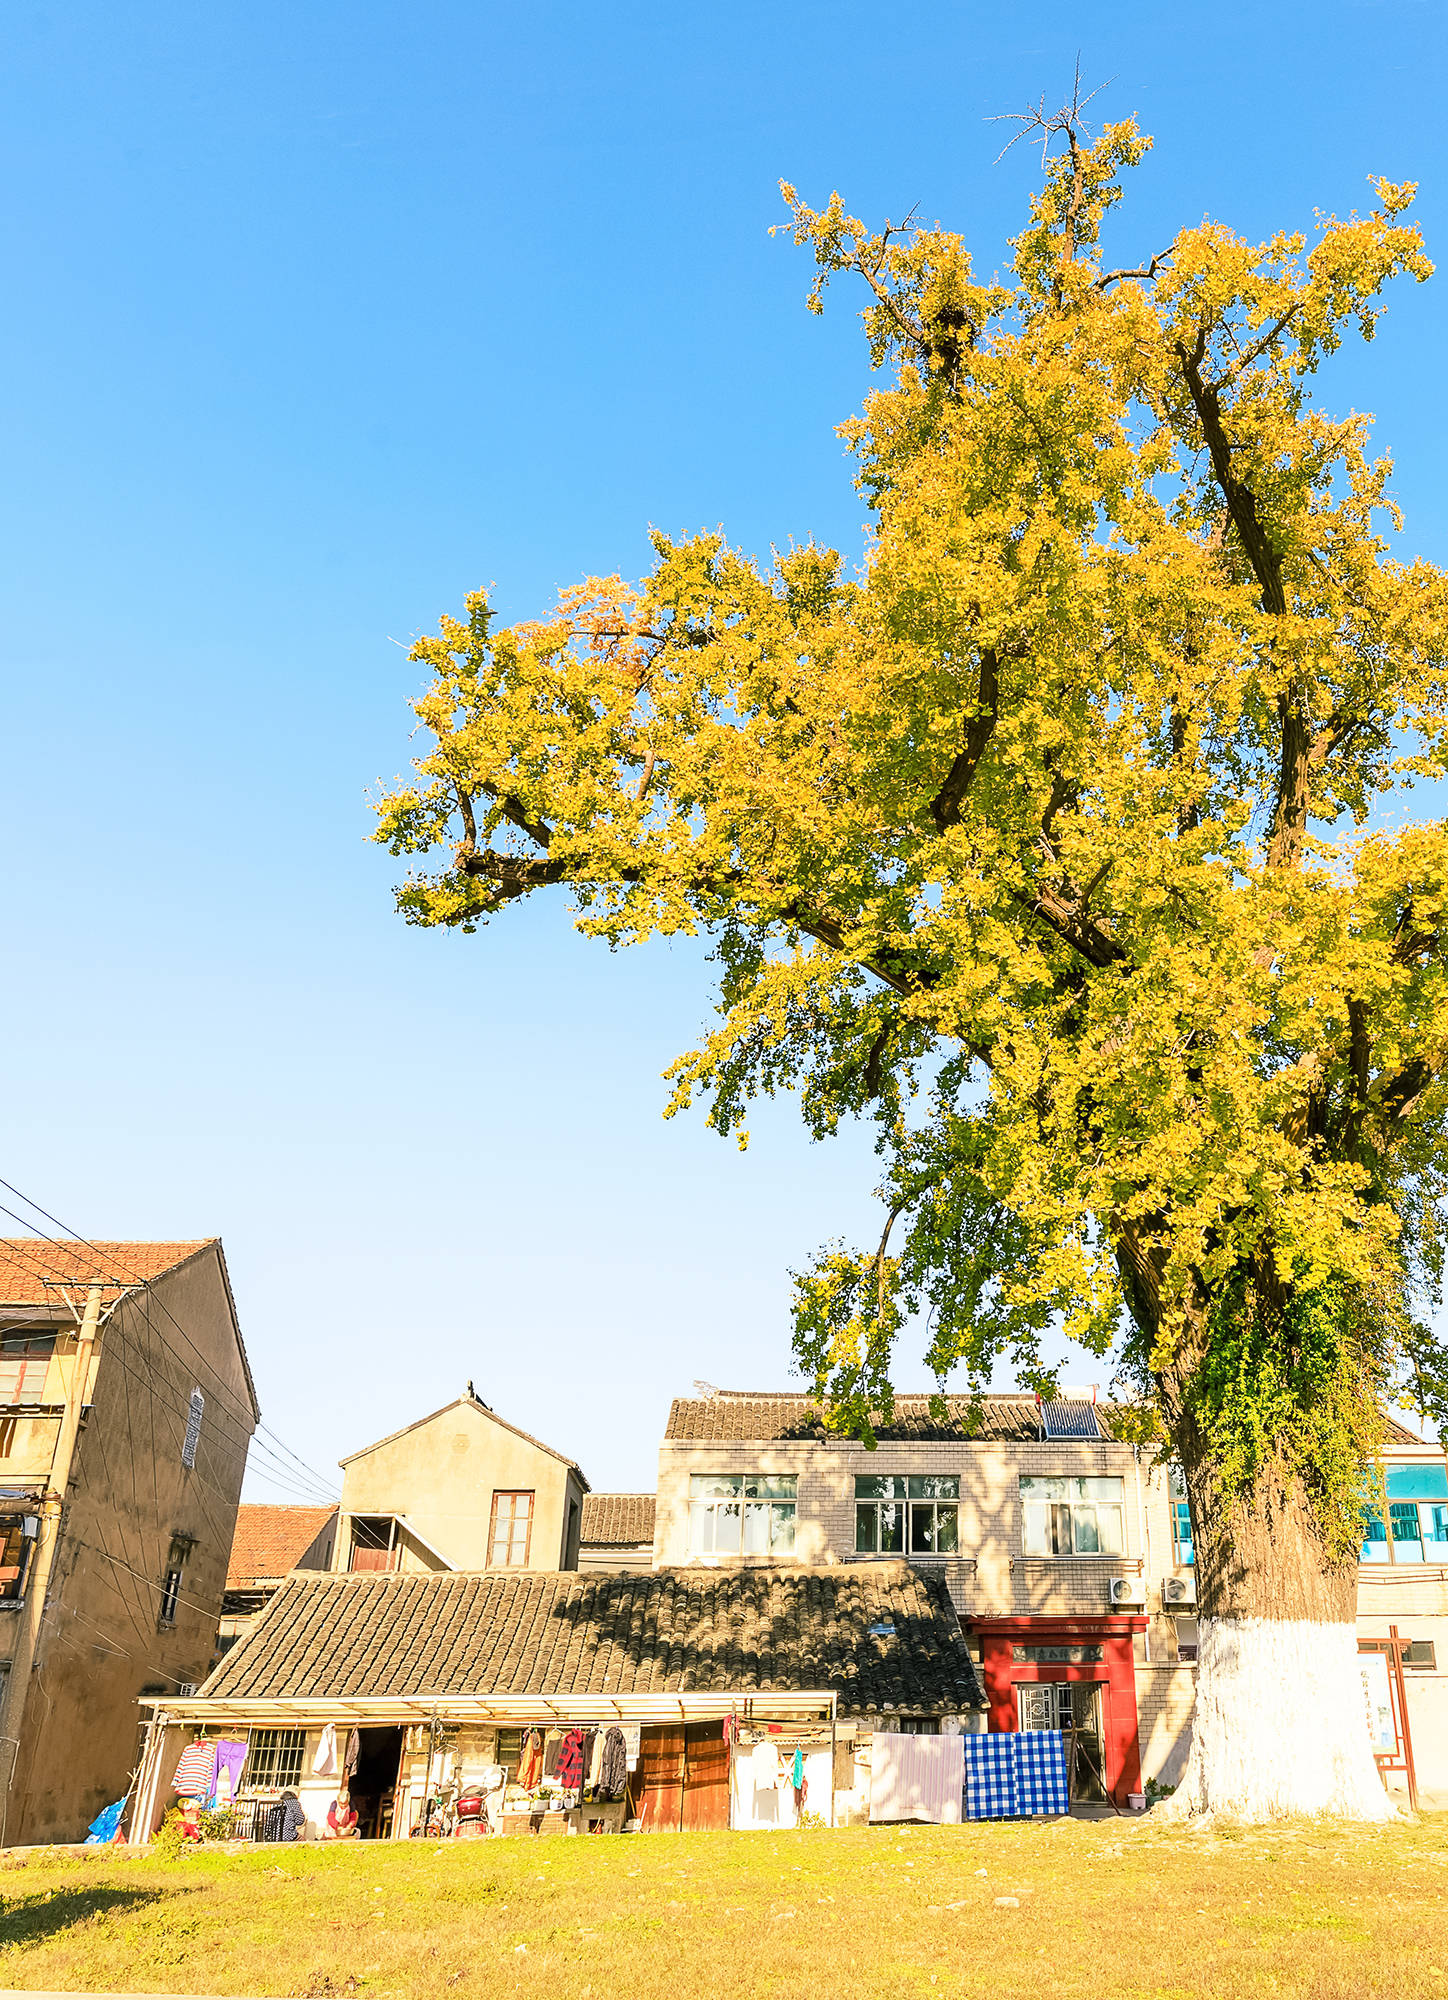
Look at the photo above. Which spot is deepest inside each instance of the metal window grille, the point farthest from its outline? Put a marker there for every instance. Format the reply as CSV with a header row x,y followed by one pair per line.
x,y
274,1759
170,1596
193,1428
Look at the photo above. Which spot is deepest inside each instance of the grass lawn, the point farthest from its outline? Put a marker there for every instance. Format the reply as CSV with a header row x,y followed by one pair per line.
x,y
1099,1908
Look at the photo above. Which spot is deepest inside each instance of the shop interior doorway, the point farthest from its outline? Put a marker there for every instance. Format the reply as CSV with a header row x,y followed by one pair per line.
x,y
374,1782
1073,1707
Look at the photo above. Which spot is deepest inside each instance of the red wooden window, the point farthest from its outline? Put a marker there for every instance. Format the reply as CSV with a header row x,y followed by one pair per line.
x,y
22,1368
512,1530
15,1547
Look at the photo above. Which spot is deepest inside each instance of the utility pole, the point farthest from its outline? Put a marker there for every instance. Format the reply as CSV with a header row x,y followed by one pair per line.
x,y
47,1540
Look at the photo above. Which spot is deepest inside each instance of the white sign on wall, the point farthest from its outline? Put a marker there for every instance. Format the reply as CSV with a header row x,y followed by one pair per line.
x,y
1378,1701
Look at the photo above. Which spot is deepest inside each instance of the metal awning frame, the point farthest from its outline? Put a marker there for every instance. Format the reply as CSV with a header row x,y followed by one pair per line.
x,y
816,1703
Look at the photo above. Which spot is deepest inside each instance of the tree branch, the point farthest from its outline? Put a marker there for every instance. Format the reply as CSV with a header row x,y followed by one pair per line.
x,y
945,806
1146,271
1072,926
1260,346
1241,503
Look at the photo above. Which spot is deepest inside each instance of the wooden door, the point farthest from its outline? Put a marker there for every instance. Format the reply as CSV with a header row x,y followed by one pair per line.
x,y
706,1778
661,1778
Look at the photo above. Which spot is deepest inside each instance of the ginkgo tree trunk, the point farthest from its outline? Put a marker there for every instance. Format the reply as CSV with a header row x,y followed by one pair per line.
x,y
1049,840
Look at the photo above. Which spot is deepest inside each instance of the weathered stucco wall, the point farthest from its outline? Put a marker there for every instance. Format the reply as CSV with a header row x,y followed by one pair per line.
x,y
101,1641
442,1474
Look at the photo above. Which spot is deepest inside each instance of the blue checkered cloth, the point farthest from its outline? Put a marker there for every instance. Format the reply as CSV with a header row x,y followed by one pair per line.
x,y
1041,1771
992,1790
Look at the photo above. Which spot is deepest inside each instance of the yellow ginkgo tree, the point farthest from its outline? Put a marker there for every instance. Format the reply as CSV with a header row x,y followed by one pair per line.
x,y
1060,841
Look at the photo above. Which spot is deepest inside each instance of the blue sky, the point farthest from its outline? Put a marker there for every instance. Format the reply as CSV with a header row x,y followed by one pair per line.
x,y
322,314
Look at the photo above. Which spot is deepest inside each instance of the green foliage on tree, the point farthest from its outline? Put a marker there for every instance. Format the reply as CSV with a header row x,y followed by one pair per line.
x,y
1054,839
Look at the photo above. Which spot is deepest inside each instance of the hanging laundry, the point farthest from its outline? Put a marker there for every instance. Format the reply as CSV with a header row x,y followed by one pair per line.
x,y
922,1777
552,1745
530,1763
570,1761
229,1759
196,1771
595,1759
613,1777
354,1751
324,1764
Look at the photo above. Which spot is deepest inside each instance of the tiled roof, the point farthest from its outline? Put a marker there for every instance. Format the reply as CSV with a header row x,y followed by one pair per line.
x,y
37,1272
28,1262
881,1634
270,1540
764,1416
617,1520
750,1418
484,1410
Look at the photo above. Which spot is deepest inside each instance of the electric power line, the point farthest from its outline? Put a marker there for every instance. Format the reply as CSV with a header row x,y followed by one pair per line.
x,y
319,1480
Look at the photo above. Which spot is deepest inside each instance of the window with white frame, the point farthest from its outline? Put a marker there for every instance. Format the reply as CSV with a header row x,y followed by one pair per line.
x,y
742,1513
1063,1515
273,1759
915,1513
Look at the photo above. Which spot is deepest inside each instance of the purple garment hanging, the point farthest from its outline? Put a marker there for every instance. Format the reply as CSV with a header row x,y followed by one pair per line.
x,y
229,1758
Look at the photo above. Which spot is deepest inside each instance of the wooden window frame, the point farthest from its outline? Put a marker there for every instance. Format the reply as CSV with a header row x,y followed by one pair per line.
x,y
529,1494
38,1349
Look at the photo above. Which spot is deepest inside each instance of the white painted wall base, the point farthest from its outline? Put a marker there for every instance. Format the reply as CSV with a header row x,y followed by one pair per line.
x,y
1280,1726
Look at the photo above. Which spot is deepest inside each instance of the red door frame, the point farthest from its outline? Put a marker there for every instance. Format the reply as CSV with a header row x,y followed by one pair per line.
x,y
1116,1671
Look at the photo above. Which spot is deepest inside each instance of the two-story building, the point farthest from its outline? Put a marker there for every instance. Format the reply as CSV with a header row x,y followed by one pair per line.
x,y
126,1410
1403,1602
1067,1553
460,1489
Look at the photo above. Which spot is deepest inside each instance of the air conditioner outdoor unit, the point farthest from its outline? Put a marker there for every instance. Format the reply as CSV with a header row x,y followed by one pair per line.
x,y
1127,1590
1178,1590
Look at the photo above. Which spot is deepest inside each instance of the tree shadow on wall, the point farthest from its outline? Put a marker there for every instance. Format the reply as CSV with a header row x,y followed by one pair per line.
x,y
32,1920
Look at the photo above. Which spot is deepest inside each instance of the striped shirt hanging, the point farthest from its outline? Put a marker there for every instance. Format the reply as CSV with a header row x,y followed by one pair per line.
x,y
196,1771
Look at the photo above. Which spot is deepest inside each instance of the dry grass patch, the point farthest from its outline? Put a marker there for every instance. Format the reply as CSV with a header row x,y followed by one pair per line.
x,y
1095,1909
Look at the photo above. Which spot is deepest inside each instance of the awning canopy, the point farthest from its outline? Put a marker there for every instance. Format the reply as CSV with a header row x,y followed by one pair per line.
x,y
504,1708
